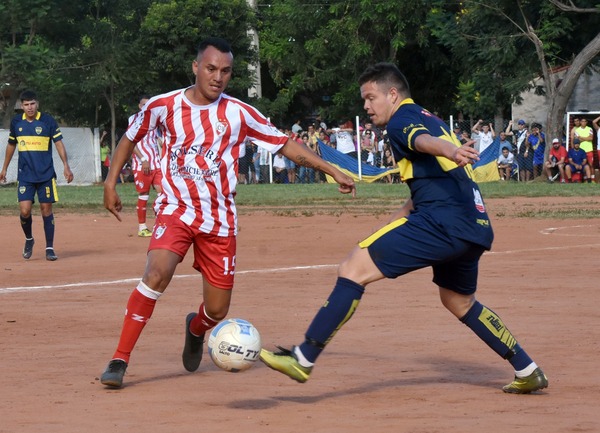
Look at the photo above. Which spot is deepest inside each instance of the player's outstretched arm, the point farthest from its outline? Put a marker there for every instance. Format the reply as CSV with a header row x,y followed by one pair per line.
x,y
302,155
112,201
462,155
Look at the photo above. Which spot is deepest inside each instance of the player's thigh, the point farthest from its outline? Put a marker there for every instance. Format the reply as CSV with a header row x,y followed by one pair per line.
x,y
214,257
157,180
459,274
47,191
359,267
170,242
408,244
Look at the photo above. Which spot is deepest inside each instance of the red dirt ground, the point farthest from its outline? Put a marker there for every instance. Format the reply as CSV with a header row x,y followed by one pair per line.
x,y
402,364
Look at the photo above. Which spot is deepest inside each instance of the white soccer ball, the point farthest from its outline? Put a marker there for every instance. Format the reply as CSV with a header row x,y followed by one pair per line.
x,y
234,345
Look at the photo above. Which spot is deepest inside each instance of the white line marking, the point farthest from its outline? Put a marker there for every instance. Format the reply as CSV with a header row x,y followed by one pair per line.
x,y
135,280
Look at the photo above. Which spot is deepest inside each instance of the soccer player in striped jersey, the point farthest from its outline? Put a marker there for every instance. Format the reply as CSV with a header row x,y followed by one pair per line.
x,y
444,225
202,129
146,170
34,132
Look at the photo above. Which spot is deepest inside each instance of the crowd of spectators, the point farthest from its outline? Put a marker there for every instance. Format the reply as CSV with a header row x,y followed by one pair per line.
x,y
374,150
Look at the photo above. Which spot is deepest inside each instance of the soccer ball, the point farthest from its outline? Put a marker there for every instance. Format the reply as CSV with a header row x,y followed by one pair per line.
x,y
234,345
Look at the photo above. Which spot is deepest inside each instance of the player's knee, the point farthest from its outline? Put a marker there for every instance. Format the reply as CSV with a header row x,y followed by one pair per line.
x,y
216,312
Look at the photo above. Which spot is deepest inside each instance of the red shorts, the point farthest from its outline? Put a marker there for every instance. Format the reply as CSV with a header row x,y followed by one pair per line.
x,y
143,182
214,256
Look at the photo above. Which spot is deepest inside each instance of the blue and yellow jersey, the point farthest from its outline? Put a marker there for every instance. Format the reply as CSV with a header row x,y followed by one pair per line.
x,y
34,143
438,186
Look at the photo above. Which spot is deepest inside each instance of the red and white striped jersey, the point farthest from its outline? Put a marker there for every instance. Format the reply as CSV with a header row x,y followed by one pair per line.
x,y
148,147
199,162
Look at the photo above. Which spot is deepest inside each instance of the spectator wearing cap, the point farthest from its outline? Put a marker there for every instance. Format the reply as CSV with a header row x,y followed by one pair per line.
x,y
577,162
555,164
457,131
537,139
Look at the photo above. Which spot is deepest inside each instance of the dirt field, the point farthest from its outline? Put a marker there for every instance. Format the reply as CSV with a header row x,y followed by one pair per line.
x,y
402,364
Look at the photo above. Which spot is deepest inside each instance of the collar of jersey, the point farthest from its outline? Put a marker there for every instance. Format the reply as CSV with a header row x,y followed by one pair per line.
x,y
37,116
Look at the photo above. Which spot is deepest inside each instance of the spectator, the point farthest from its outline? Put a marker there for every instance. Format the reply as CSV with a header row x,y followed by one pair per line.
x,y
457,131
296,127
485,134
521,149
104,154
256,162
576,124
466,140
306,174
537,139
321,125
263,162
586,137
577,163
505,163
555,165
279,169
344,139
504,142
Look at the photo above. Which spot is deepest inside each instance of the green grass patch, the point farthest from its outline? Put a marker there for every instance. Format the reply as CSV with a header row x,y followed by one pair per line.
x,y
307,200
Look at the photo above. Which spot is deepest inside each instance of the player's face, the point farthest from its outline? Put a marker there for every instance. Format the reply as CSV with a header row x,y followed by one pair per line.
x,y
213,71
30,108
379,103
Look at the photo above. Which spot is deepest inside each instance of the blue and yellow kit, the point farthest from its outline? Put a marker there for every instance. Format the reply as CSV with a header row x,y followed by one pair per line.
x,y
448,227
34,143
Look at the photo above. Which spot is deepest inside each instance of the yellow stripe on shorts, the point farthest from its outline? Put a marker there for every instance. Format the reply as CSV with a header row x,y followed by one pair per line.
x,y
55,189
382,231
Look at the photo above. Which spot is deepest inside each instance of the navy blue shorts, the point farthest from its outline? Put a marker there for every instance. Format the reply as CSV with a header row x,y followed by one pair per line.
x,y
417,242
46,191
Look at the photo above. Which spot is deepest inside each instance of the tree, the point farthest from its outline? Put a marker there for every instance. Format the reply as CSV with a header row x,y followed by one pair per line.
x,y
315,51
506,44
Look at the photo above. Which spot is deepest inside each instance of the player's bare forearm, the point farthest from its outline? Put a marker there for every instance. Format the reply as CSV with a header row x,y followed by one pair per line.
x,y
112,201
435,146
302,155
62,153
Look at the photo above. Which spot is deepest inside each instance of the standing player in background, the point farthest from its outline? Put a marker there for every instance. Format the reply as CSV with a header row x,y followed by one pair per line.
x,y
203,129
443,225
34,132
146,170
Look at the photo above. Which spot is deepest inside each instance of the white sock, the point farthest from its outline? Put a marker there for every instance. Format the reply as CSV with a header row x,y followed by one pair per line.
x,y
301,359
526,371
143,227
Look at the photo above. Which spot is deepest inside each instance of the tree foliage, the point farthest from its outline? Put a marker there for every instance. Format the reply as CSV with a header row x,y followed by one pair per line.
x,y
90,60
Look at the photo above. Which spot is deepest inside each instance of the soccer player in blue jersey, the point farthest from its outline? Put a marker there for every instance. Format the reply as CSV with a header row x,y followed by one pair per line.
x,y
33,133
444,225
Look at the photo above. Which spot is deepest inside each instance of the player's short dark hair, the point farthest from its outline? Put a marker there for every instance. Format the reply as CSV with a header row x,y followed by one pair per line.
x,y
219,43
144,96
386,74
28,95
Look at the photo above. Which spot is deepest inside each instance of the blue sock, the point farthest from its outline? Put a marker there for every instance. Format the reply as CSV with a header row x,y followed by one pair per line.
x,y
490,328
338,309
26,226
49,230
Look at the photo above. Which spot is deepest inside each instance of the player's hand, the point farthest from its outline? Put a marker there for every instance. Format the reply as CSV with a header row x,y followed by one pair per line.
x,y
3,177
464,155
68,174
146,167
112,201
346,183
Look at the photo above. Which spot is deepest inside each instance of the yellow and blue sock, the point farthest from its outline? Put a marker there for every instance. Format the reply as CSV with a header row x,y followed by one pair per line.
x,y
489,327
49,230
336,311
